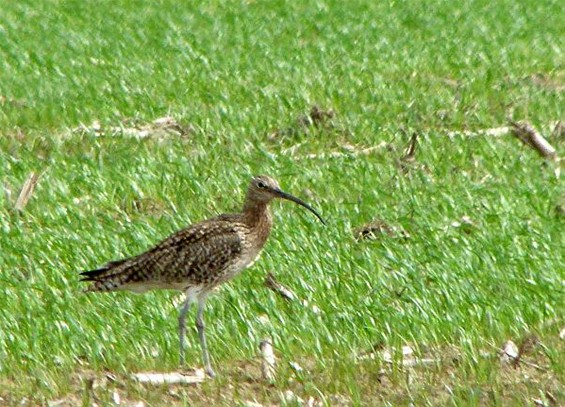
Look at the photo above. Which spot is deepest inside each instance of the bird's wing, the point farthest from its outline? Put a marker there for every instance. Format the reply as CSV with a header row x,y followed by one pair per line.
x,y
190,256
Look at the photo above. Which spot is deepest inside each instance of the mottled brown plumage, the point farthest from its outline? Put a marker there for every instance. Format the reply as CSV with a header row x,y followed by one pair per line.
x,y
200,257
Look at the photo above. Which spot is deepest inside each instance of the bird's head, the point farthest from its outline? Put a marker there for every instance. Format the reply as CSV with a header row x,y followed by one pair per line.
x,y
263,189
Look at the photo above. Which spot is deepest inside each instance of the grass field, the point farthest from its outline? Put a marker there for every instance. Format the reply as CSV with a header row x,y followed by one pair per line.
x,y
475,255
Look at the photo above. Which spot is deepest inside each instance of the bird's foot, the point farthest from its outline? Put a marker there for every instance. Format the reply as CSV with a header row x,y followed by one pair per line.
x,y
209,371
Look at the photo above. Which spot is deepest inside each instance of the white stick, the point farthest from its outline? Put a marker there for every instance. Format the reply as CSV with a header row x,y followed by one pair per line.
x,y
493,132
350,151
268,360
170,378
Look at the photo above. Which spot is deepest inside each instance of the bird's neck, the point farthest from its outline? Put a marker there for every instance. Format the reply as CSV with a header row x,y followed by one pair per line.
x,y
258,217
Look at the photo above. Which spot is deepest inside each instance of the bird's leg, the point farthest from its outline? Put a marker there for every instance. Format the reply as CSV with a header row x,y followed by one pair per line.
x,y
182,326
201,327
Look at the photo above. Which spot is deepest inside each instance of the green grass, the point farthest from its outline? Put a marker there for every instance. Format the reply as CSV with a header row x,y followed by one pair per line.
x,y
235,73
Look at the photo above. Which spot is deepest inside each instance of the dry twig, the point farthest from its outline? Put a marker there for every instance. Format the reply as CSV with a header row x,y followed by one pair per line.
x,y
511,354
159,128
272,283
378,228
372,230
558,132
27,191
410,153
527,344
529,136
317,117
407,360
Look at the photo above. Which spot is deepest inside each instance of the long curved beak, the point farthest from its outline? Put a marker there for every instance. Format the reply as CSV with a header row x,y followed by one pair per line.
x,y
284,195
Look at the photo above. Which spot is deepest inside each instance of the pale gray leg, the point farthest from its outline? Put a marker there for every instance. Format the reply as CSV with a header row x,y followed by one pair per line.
x,y
201,327
182,326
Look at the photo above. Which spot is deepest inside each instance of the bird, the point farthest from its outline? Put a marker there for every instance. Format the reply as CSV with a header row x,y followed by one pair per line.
x,y
199,258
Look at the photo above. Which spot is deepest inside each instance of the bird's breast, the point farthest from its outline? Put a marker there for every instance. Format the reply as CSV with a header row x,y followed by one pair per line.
x,y
246,259
243,261
252,237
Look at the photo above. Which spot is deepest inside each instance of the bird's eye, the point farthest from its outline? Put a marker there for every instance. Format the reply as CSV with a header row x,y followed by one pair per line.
x,y
261,184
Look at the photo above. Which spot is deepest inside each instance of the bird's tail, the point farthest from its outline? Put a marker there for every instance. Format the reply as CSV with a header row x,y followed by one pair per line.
x,y
107,278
